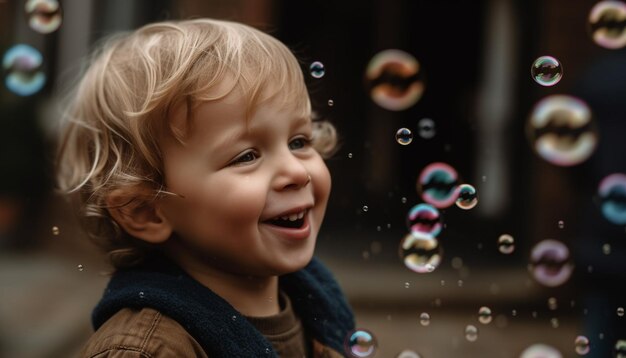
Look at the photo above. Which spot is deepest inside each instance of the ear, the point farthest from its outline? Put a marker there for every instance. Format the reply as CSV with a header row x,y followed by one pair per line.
x,y
137,212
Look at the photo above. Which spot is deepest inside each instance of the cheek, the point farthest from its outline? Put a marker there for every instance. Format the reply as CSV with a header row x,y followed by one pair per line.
x,y
321,181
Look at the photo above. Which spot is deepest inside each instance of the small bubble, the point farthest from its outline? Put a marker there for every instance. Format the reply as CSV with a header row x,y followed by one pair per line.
x,y
457,263
484,315
267,351
141,294
331,103
581,344
388,226
424,319
55,231
349,155
514,313
506,244
44,16
459,283
606,249
534,314
420,252
620,348
407,285
360,343
437,302
589,269
378,228
471,333
561,224
620,311
81,268
443,282
234,318
601,336
404,136
554,322
552,304
317,69
546,71
484,178
23,67
426,128
468,198
403,200
365,208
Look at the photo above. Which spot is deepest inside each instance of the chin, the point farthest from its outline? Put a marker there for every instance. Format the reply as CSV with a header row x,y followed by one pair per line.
x,y
295,263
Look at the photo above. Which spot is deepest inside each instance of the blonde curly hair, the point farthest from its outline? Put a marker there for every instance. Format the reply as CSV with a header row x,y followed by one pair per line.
x,y
123,100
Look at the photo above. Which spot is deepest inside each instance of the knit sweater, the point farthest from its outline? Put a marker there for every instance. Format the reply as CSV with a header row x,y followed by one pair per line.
x,y
217,326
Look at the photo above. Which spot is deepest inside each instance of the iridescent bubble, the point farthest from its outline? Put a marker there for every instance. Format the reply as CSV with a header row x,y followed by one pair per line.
x,y
620,311
407,353
547,71
317,69
550,263
484,315
506,244
331,103
581,345
612,192
44,16
23,68
607,24
471,333
561,130
467,198
424,319
540,350
404,136
426,128
394,80
55,231
81,268
619,350
424,218
438,185
360,343
420,252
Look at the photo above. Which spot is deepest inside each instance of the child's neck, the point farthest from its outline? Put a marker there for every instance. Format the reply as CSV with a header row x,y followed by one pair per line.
x,y
250,295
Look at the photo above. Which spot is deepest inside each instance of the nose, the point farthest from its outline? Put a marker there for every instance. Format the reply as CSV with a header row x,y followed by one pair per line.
x,y
292,173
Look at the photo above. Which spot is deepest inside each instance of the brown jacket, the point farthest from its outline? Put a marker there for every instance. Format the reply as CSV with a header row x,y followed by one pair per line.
x,y
147,333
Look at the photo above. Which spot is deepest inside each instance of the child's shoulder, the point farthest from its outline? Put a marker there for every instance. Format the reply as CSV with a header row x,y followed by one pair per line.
x,y
141,333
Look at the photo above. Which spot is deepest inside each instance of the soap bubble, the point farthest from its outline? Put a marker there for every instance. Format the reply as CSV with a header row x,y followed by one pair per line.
x,y
438,185
607,24
484,315
540,350
23,68
550,263
360,343
581,344
612,192
424,218
467,197
394,79
420,252
426,128
546,71
317,69
404,136
506,244
44,16
562,131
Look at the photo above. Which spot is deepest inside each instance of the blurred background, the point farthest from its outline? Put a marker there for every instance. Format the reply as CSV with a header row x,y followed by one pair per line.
x,y
539,140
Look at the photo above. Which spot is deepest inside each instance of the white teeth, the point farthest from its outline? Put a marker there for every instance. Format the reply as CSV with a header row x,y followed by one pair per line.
x,y
301,215
294,217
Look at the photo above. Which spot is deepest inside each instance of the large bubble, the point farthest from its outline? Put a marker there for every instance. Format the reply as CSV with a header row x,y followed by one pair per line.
x,y
424,218
438,185
550,263
44,16
607,24
561,129
619,350
360,343
540,350
612,192
546,71
394,79
22,65
420,252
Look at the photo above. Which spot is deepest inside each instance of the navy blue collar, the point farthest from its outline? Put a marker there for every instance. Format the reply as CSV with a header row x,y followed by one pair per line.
x,y
220,329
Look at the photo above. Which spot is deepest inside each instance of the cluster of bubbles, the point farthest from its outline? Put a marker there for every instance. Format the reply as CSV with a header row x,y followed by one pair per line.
x,y
23,64
394,79
612,194
360,343
550,263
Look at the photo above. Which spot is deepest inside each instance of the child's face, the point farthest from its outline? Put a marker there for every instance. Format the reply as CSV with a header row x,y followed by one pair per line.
x,y
238,178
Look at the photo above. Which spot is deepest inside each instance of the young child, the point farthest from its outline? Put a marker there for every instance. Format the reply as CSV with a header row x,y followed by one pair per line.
x,y
191,150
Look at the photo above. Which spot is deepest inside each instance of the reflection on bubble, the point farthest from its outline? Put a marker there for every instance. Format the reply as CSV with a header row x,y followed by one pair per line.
x,y
550,263
426,128
317,69
331,103
424,319
506,244
438,185
540,350
360,343
471,333
562,131
581,345
22,65
619,350
424,218
44,16
81,268
547,71
607,24
612,192
420,252
484,315
407,353
467,197
55,230
620,311
404,136
394,79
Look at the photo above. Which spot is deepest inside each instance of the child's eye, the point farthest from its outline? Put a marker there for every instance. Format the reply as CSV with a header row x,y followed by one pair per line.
x,y
244,158
299,143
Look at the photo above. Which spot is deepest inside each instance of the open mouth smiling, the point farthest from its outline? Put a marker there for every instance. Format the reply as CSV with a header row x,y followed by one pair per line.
x,y
291,221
